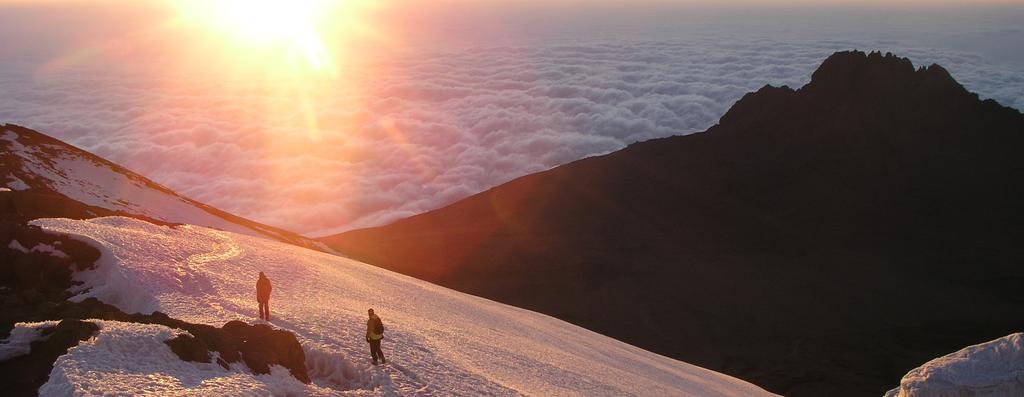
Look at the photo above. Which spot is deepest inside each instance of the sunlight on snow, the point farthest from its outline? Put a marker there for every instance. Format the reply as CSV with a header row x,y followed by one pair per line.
x,y
438,341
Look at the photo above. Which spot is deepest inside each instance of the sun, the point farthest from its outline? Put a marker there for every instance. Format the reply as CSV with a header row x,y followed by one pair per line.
x,y
301,56
293,25
264,19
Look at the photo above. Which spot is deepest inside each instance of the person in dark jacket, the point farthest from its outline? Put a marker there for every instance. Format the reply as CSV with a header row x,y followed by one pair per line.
x,y
374,334
263,296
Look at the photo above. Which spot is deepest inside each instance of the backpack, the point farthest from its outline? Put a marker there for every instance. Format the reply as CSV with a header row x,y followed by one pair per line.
x,y
378,326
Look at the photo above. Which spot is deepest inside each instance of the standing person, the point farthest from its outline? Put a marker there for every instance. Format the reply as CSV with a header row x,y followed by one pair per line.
x,y
263,296
374,334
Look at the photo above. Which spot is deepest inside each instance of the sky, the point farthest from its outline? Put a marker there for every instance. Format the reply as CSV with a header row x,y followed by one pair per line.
x,y
322,116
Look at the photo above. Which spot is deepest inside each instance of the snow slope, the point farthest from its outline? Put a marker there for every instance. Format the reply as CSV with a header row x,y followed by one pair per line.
x,y
438,341
990,369
33,160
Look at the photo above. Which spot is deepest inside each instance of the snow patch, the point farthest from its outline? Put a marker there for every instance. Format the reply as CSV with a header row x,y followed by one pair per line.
x,y
41,247
325,248
21,338
10,136
4,189
15,183
15,245
990,369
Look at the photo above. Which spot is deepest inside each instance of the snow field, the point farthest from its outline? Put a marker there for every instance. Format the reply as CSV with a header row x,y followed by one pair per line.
x,y
438,341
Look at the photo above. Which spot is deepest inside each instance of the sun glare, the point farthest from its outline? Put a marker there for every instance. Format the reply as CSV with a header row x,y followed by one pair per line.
x,y
296,26
296,53
263,19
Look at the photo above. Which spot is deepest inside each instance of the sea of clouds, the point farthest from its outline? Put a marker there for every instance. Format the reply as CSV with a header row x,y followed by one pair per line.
x,y
440,124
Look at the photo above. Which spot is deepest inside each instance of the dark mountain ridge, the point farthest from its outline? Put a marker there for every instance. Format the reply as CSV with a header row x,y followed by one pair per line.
x,y
819,241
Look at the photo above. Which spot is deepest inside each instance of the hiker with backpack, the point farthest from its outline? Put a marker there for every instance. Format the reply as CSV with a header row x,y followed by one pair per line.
x,y
374,334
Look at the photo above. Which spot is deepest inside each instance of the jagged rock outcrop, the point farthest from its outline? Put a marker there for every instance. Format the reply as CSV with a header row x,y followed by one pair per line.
x,y
262,346
22,375
35,271
190,348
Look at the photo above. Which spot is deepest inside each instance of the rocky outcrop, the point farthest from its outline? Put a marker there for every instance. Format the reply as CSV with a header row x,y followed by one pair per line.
x,y
190,348
261,346
258,346
22,375
35,273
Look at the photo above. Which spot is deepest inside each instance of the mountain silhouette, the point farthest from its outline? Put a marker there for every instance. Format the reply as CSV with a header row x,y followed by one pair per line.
x,y
819,241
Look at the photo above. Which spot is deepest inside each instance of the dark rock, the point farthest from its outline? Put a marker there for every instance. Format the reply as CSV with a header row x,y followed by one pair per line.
x,y
31,296
34,283
189,348
66,332
6,229
238,329
159,316
12,300
22,375
26,270
222,363
218,340
257,360
260,346
287,352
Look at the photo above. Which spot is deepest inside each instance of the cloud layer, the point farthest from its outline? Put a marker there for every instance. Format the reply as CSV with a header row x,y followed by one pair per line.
x,y
427,129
